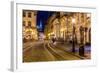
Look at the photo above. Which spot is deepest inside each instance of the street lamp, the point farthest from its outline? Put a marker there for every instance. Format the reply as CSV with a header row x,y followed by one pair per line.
x,y
73,35
81,46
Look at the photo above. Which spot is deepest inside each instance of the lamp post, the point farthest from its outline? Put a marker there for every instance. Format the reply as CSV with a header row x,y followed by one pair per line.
x,y
73,35
81,46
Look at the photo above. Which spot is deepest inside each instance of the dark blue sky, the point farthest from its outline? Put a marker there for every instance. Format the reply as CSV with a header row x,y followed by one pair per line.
x,y
42,17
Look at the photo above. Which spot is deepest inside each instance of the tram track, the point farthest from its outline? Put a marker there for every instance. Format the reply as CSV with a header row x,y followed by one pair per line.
x,y
63,53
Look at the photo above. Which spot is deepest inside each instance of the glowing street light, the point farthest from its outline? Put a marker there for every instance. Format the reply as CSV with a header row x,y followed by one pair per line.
x,y
73,20
88,15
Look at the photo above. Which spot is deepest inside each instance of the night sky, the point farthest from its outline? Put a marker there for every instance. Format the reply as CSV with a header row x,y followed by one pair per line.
x,y
42,17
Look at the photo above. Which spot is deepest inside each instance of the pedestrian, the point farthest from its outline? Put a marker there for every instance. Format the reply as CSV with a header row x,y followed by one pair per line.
x,y
53,40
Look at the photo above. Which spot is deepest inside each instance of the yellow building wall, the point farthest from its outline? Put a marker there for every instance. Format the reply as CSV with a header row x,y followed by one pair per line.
x,y
33,28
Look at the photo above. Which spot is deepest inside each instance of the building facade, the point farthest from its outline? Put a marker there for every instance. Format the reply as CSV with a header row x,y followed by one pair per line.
x,y
29,25
61,26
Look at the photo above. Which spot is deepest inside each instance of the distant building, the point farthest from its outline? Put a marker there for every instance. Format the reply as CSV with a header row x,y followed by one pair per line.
x,y
29,25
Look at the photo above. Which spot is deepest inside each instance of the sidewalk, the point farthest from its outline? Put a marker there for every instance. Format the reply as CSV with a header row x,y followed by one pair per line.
x,y
68,47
